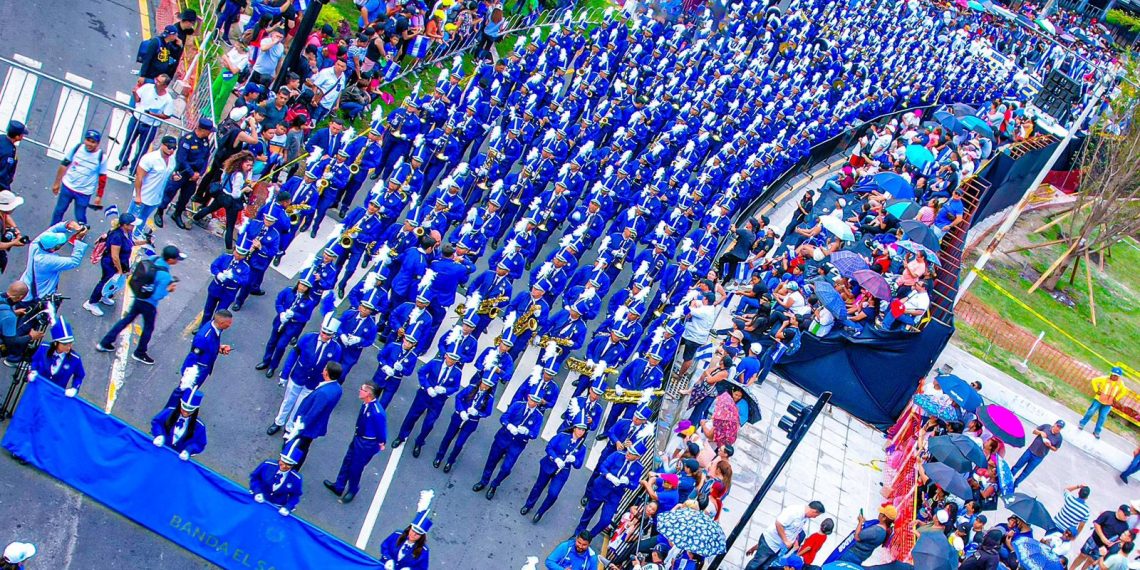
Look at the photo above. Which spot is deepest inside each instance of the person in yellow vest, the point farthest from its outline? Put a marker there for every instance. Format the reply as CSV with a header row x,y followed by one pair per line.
x,y
1106,390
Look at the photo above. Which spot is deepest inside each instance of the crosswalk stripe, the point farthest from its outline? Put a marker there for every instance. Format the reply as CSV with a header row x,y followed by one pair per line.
x,y
117,132
70,117
304,250
18,91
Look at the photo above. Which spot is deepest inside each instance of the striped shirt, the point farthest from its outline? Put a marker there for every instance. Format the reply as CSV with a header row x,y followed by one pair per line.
x,y
1073,514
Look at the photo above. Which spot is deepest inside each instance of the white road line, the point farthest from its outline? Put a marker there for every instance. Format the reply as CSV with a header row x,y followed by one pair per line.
x,y
595,455
378,499
304,249
119,366
18,91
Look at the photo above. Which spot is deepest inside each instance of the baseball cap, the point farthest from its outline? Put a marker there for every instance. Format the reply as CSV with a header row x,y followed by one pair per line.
x,y
93,135
188,15
1117,371
172,252
169,140
1126,509
1060,423
126,219
794,561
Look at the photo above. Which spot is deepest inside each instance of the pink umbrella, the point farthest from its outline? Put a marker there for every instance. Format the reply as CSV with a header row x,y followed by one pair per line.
x,y
1004,424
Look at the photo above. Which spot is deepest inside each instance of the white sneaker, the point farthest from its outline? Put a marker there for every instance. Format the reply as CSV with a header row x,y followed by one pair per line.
x,y
109,301
93,309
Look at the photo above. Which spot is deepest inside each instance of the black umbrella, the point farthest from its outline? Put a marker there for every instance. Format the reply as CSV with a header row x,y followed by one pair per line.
x,y
932,552
949,479
1030,510
957,451
749,400
921,233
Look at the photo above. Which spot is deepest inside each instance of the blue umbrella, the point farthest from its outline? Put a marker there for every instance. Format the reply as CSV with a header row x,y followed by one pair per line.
x,y
977,125
919,156
830,298
960,391
842,565
692,531
937,407
1035,556
918,247
962,110
1005,477
921,234
932,552
950,121
896,185
847,262
957,451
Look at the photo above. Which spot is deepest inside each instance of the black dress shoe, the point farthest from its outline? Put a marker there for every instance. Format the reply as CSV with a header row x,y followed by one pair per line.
x,y
269,373
180,223
524,510
348,497
583,501
272,429
257,293
436,463
235,307
491,493
537,517
603,437
416,451
343,212
397,443
478,487
447,468
331,486
261,366
157,219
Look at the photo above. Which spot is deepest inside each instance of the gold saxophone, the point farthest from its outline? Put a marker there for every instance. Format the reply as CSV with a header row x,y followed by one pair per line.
x,y
294,212
490,307
355,166
528,322
321,185
629,396
585,368
348,237
563,342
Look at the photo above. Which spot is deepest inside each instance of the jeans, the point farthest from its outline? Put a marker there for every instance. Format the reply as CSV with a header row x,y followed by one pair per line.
x,y
140,135
108,273
1102,411
1028,461
890,321
66,197
139,308
1132,468
233,207
142,214
763,558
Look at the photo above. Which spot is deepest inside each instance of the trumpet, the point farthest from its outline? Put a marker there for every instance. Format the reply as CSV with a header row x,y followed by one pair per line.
x,y
629,396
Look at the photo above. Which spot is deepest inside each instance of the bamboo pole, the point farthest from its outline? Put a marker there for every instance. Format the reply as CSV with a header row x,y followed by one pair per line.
x,y
1055,221
1037,245
1056,263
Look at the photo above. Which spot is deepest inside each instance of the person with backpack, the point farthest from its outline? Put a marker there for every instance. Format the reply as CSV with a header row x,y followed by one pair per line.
x,y
150,282
82,173
113,254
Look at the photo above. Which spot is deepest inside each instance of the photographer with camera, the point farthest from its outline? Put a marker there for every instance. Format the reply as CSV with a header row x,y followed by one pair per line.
x,y
45,264
15,336
10,235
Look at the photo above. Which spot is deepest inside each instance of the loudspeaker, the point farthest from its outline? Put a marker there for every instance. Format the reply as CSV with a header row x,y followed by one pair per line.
x,y
1057,95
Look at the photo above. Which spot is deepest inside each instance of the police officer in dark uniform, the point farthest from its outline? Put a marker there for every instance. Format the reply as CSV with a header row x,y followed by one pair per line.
x,y
193,158
16,132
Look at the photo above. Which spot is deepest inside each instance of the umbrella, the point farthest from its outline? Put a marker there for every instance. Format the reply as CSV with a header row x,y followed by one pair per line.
x,y
1067,38
932,552
749,399
960,391
977,125
921,234
1030,510
1046,25
894,184
837,227
919,156
1032,555
896,565
913,247
1005,477
950,121
1004,424
830,298
902,209
957,451
725,419
693,531
976,6
1002,12
873,283
963,110
937,406
949,479
847,262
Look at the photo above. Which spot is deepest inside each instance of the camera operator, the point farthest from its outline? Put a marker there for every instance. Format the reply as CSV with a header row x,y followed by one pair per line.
x,y
14,337
10,235
44,263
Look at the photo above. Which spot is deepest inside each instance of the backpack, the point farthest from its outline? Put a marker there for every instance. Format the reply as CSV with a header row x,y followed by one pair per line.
x,y
144,48
143,277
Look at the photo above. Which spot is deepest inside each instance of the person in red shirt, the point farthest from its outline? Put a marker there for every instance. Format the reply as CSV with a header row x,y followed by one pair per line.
x,y
814,543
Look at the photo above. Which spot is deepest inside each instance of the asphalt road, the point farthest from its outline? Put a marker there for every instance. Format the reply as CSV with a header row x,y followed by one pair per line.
x,y
97,40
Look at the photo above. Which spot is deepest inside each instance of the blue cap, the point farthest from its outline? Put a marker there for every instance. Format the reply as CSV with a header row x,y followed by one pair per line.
x,y
1118,371
598,386
330,324
643,411
422,523
93,134
206,123
191,399
16,128
61,331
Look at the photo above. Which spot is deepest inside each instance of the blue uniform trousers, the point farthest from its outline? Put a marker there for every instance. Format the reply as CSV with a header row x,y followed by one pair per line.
x,y
388,385
359,453
279,340
458,430
348,358
256,277
425,406
505,448
608,508
347,195
556,480
217,297
351,263
617,412
325,202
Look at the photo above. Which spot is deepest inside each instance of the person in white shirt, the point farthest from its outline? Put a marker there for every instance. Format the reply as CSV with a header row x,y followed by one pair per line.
x,y
782,535
81,174
153,104
328,83
702,314
914,307
153,172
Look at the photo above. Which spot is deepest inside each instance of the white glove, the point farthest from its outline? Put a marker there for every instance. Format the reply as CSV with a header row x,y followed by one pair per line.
x,y
159,441
560,463
388,370
283,512
463,416
288,314
624,480
259,498
283,316
227,275
344,339
184,456
612,479
70,392
389,565
353,340
472,412
513,429
433,391
619,390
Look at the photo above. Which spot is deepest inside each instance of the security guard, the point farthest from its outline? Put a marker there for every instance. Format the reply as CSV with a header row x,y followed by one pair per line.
x,y
294,306
276,483
8,160
358,331
193,158
472,404
368,440
521,424
393,362
180,428
231,274
439,379
566,451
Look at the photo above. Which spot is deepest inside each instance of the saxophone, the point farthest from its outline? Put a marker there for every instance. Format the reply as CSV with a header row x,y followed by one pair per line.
x,y
295,211
528,322
490,307
348,237
628,396
355,166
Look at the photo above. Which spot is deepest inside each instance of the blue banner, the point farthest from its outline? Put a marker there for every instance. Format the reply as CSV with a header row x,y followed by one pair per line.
x,y
196,508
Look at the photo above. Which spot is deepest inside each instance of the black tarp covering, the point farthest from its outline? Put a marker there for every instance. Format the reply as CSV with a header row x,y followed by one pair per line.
x,y
872,376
